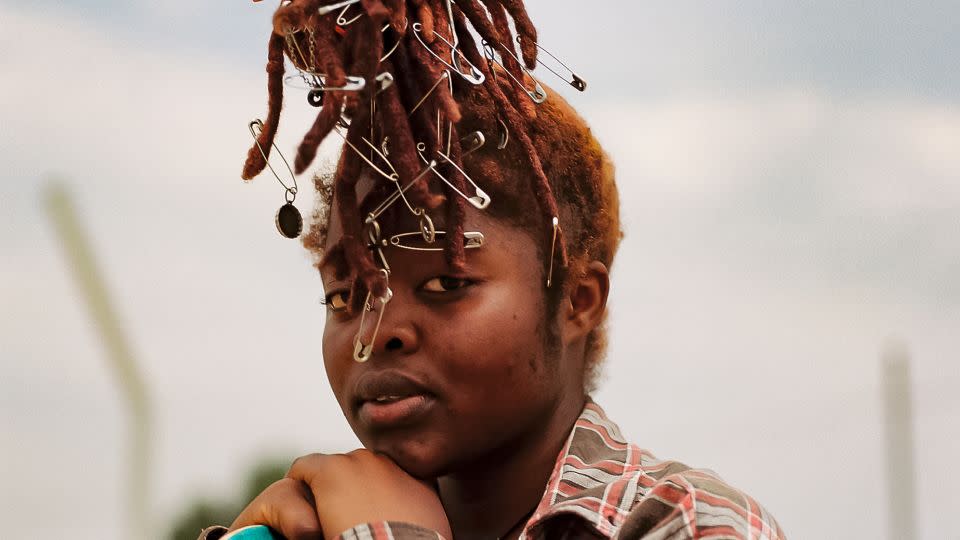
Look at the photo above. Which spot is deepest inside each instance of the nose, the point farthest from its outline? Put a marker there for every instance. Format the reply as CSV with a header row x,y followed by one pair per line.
x,y
398,334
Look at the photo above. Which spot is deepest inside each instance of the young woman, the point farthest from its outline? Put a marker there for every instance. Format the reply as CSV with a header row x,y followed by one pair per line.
x,y
464,244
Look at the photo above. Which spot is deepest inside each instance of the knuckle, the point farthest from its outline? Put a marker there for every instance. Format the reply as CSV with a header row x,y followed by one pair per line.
x,y
360,454
283,485
305,462
303,530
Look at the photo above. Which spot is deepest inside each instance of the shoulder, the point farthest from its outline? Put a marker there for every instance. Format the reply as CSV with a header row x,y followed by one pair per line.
x,y
677,502
609,488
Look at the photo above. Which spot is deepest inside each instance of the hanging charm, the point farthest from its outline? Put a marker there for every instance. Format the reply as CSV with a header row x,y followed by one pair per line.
x,y
288,219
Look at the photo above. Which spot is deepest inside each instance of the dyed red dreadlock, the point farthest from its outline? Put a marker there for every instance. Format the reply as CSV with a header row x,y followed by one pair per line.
x,y
316,43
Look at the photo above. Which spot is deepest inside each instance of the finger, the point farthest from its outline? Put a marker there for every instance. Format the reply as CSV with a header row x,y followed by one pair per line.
x,y
285,507
313,469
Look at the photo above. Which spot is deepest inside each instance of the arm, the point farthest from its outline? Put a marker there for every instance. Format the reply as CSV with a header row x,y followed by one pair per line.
x,y
326,495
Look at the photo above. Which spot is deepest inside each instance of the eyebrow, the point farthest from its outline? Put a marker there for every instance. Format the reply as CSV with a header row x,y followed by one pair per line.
x,y
335,260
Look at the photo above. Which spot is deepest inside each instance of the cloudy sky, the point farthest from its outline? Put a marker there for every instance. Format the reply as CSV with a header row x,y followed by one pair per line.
x,y
790,176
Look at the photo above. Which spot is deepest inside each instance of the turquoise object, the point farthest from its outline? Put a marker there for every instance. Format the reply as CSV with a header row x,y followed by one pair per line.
x,y
253,532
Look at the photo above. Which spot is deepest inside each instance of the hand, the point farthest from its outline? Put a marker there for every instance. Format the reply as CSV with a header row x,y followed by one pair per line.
x,y
324,495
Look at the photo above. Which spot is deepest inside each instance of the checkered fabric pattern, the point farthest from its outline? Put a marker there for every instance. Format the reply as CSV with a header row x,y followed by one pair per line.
x,y
604,487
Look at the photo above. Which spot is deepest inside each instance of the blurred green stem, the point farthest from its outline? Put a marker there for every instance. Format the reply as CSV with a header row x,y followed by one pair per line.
x,y
119,356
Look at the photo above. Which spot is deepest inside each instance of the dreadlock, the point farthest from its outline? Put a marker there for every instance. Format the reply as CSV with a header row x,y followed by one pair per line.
x,y
316,43
547,164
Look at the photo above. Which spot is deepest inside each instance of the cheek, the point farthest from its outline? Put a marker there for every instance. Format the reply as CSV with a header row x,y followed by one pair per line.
x,y
496,343
337,346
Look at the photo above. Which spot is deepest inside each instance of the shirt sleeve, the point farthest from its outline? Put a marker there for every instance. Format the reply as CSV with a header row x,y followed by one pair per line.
x,y
391,530
368,531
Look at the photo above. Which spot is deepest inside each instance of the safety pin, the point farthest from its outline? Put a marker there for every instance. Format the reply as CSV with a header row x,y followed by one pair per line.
x,y
444,75
471,240
538,94
577,82
353,84
504,134
406,24
480,201
389,201
456,56
478,141
391,177
376,243
342,19
384,80
394,175
300,81
426,224
455,46
330,8
475,76
363,352
256,128
427,229
319,82
553,250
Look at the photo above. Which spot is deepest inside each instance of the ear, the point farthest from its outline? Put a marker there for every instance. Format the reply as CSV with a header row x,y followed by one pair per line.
x,y
587,302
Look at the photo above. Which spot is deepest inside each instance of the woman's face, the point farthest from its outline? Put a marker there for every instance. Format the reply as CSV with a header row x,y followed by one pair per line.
x,y
460,367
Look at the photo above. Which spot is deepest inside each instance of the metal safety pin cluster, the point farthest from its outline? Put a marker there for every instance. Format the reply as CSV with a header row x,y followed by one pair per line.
x,y
376,153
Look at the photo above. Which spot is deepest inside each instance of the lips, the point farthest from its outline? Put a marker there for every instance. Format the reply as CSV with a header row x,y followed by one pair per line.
x,y
386,385
389,399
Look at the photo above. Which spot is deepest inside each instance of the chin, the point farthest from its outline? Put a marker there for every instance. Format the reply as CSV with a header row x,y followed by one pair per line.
x,y
414,454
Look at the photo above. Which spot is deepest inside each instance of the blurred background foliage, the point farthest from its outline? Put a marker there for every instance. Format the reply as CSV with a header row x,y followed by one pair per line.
x,y
204,512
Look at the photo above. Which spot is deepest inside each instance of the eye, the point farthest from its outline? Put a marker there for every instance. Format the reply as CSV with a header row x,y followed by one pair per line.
x,y
337,300
444,284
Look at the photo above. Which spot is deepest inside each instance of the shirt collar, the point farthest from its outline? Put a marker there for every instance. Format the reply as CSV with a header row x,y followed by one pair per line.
x,y
594,479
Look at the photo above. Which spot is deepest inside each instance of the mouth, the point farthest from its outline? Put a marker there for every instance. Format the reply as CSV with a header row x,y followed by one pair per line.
x,y
395,411
386,399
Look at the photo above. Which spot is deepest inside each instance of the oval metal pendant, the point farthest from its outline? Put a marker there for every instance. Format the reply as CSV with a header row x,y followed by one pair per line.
x,y
315,98
289,221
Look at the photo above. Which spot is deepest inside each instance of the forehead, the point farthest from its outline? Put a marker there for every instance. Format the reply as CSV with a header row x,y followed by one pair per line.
x,y
502,240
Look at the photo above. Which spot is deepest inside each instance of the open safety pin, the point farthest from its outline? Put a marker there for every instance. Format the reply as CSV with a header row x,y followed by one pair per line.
x,y
389,201
443,76
394,177
426,224
256,127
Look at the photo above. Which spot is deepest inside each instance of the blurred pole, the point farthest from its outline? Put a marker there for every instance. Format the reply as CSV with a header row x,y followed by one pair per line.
x,y
119,356
898,411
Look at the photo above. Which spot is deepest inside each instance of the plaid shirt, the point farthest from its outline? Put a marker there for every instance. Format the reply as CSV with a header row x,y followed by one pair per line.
x,y
604,487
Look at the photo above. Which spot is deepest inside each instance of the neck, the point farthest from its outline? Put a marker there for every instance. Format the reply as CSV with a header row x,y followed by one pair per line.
x,y
490,497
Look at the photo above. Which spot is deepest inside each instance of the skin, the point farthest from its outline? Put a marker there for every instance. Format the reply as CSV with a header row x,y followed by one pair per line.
x,y
502,401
